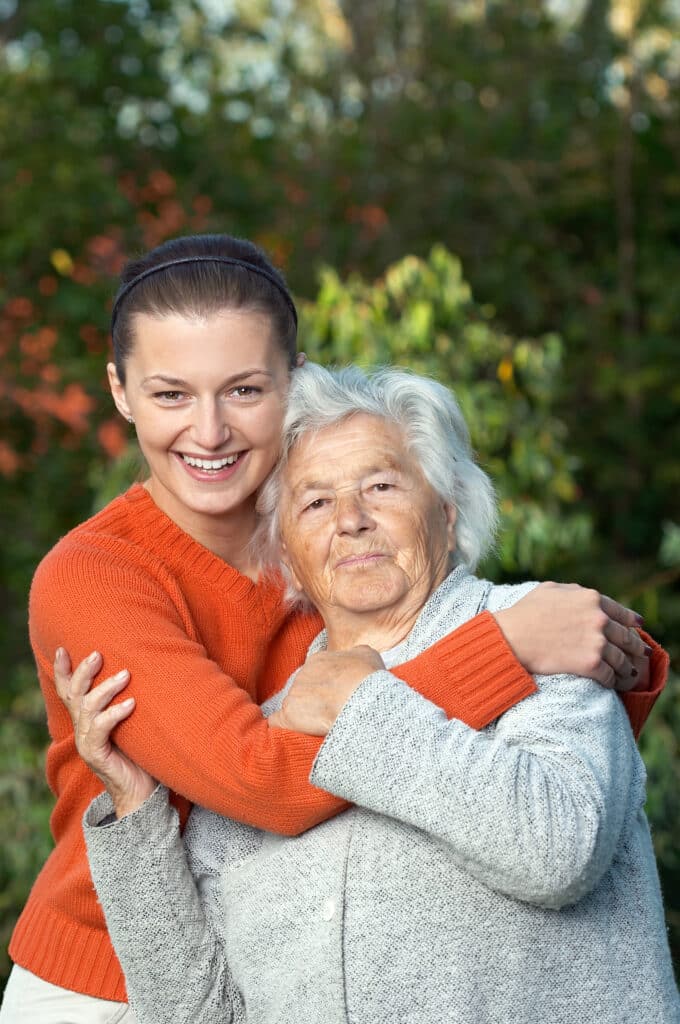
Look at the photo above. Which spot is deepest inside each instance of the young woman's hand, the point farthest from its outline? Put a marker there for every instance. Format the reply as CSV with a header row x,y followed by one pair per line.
x,y
564,628
94,717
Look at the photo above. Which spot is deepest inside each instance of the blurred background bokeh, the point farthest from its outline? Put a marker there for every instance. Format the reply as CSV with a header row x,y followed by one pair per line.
x,y
487,192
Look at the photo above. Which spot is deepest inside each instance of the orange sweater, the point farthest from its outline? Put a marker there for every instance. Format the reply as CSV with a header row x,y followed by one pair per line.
x,y
204,644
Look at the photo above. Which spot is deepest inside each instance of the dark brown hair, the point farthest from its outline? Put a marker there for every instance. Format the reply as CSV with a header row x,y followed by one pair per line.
x,y
194,276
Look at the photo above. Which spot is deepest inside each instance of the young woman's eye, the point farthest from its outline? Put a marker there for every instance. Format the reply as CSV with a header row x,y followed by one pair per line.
x,y
169,396
246,391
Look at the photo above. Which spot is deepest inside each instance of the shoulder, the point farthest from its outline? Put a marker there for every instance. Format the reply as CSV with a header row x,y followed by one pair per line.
x,y
119,535
109,554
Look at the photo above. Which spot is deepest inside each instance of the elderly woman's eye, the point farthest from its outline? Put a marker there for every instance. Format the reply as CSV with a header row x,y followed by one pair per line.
x,y
382,485
313,505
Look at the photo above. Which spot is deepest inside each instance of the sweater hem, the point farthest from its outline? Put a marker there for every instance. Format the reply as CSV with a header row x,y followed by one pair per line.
x,y
67,953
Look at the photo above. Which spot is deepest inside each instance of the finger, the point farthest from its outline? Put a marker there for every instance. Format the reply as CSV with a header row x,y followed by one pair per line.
x,y
106,721
604,674
83,676
100,697
626,639
62,672
93,736
622,684
615,657
619,612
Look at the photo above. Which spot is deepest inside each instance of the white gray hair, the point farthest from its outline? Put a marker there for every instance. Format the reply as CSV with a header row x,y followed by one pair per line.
x,y
434,432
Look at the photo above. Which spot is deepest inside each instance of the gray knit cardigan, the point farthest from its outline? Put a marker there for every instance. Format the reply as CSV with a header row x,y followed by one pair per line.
x,y
496,877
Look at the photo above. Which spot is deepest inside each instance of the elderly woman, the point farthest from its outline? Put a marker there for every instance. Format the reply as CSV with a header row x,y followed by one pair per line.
x,y
500,874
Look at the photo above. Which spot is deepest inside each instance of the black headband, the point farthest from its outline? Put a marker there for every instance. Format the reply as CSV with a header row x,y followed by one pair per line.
x,y
230,260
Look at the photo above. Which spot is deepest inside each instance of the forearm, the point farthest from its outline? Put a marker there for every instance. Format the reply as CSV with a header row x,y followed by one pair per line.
x,y
193,728
472,673
533,809
173,959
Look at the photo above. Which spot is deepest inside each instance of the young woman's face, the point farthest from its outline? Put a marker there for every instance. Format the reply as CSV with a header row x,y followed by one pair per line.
x,y
207,398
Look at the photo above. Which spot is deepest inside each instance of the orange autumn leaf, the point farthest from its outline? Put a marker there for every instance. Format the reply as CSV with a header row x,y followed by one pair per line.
x,y
9,460
19,308
112,437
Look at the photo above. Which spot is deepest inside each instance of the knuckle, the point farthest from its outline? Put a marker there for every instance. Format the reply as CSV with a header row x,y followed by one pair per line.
x,y
593,666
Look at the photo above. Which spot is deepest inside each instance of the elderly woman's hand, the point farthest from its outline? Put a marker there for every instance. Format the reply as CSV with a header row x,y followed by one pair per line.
x,y
564,628
94,717
321,688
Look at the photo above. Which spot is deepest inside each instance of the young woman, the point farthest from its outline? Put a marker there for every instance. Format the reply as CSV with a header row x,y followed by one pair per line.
x,y
163,582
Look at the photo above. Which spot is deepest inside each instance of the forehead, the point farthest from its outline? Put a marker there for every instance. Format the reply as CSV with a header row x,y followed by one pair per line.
x,y
357,445
226,338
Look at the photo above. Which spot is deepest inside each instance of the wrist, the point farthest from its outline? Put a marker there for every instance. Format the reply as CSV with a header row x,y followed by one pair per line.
x,y
506,620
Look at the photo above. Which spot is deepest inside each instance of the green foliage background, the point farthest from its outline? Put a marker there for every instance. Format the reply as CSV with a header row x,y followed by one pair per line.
x,y
363,145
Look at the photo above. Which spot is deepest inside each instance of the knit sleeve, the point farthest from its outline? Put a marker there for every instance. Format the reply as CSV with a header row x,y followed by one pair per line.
x,y
472,673
533,808
639,703
166,933
194,729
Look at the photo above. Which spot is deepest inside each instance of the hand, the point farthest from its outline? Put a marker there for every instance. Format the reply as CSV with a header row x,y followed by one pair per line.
x,y
564,628
94,718
321,688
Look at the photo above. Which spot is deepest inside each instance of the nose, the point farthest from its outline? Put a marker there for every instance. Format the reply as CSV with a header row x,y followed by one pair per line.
x,y
351,514
210,427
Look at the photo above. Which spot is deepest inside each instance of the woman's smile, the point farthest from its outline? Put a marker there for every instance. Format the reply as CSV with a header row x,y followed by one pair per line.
x,y
213,469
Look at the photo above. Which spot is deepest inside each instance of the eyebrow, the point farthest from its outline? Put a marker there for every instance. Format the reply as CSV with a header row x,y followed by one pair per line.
x,y
177,382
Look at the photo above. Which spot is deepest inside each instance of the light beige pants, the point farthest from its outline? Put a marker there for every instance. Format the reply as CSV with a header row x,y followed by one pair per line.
x,y
30,1000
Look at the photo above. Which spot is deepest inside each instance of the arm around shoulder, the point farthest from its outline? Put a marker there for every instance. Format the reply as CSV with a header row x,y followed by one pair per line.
x,y
88,599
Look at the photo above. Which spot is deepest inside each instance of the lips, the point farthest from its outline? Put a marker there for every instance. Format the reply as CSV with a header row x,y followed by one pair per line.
x,y
359,559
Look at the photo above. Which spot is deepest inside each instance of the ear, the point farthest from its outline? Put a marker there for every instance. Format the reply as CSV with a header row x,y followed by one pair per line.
x,y
451,513
118,392
288,564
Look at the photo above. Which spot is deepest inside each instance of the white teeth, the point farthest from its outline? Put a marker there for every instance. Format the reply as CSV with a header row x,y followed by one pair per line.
x,y
213,464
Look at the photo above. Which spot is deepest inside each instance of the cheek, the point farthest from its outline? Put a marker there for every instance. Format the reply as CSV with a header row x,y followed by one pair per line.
x,y
422,541
263,426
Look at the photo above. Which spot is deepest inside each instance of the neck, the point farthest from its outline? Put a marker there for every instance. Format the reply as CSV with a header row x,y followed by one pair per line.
x,y
381,632
227,536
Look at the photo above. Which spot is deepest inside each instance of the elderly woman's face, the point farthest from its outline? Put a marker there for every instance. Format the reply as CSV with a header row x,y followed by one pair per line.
x,y
361,527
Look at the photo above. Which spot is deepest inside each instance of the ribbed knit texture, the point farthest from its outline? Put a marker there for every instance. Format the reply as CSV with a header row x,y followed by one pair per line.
x,y
201,642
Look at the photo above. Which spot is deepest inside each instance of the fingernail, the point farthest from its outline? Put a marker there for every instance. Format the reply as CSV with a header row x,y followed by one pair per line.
x,y
123,674
634,672
59,653
126,703
93,657
648,651
639,619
